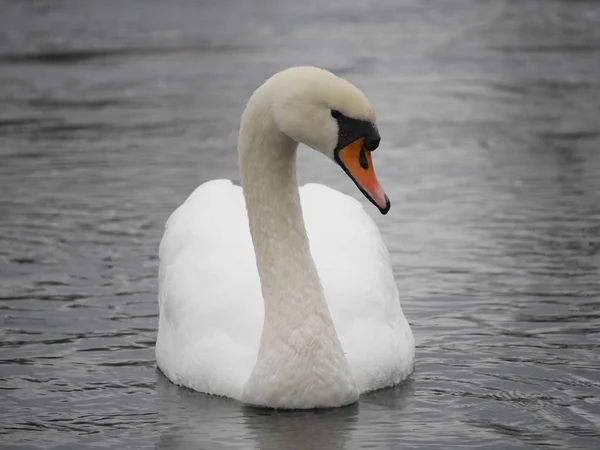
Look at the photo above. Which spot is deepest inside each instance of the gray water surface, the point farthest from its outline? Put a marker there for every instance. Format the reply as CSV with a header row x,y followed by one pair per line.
x,y
112,112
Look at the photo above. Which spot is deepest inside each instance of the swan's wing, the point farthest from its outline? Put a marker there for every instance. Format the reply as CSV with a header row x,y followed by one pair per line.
x,y
356,272
209,292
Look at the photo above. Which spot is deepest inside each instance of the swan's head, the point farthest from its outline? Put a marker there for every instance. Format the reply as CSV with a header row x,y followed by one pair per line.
x,y
329,114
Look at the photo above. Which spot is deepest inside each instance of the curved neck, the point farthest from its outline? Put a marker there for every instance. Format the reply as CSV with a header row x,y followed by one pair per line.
x,y
289,280
299,348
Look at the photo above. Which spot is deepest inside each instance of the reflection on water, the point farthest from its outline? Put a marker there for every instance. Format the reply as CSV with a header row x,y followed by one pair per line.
x,y
110,115
196,418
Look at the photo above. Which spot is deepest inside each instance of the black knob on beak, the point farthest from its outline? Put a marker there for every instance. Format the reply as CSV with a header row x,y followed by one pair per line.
x,y
372,140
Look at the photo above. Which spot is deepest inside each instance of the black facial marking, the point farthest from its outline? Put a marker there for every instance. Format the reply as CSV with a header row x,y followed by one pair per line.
x,y
352,129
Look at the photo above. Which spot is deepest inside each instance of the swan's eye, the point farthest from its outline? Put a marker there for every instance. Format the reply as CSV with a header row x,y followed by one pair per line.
x,y
336,114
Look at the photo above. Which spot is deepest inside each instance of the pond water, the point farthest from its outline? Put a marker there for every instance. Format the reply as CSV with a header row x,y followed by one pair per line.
x,y
112,112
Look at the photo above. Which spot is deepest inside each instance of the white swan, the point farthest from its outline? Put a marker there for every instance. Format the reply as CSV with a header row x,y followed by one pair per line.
x,y
248,309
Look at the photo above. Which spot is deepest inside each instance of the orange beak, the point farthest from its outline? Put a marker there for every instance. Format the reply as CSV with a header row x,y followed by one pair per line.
x,y
356,161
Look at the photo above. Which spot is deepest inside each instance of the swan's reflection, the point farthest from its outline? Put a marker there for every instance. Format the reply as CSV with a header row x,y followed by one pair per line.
x,y
198,421
275,430
394,398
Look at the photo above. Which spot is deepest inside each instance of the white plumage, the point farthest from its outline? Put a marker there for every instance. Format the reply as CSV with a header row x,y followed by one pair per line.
x,y
212,308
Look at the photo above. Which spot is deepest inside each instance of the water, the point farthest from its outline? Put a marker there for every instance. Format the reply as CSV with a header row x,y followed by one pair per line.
x,y
112,112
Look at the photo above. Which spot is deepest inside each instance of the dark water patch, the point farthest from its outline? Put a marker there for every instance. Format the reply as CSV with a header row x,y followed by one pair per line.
x,y
24,260
17,361
65,131
21,121
545,48
146,363
79,56
547,86
570,135
559,318
51,283
84,104
36,342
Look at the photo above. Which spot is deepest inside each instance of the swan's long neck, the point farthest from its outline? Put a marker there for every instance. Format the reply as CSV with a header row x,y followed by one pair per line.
x,y
299,349
290,283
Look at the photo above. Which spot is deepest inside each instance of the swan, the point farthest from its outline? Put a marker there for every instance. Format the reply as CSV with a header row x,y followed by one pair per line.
x,y
277,296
